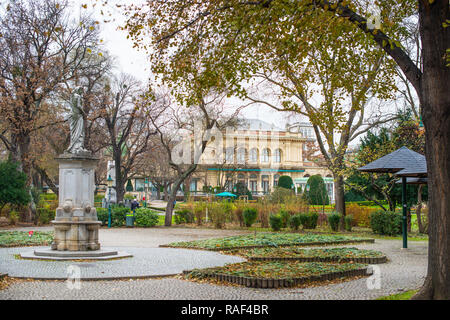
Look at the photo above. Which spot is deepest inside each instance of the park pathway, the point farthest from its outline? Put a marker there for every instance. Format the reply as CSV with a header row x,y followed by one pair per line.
x,y
405,270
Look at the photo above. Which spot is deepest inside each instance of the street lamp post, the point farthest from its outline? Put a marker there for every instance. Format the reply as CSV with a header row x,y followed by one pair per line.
x,y
110,182
145,188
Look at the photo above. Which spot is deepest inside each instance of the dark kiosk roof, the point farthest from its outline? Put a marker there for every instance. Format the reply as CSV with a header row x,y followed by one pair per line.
x,y
403,161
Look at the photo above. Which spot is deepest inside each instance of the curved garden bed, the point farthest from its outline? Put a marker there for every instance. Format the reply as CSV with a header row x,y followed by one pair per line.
x,y
263,240
315,255
279,274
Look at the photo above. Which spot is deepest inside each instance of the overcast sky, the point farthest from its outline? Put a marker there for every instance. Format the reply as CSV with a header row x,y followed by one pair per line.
x,y
135,62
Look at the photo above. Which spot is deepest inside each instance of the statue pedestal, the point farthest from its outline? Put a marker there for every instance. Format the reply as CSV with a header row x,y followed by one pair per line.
x,y
76,224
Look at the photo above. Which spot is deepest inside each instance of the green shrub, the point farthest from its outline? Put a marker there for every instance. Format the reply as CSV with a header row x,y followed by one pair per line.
x,y
316,193
309,220
102,215
333,221
184,216
118,215
45,215
348,222
13,217
146,217
227,208
285,182
250,215
295,222
386,223
275,222
199,211
285,216
217,214
281,195
13,185
128,197
48,196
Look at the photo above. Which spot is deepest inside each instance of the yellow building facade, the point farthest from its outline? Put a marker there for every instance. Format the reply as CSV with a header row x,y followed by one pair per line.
x,y
257,155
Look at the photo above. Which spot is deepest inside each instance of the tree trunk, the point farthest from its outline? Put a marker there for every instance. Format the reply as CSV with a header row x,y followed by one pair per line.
x,y
24,142
166,193
170,202
339,198
46,178
408,219
158,192
419,210
435,102
120,179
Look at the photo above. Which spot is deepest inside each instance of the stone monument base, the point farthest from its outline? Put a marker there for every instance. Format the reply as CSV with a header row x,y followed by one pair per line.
x,y
49,254
76,235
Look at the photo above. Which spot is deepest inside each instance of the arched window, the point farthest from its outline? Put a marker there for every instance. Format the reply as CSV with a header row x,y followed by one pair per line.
x,y
277,156
241,153
265,156
229,155
254,155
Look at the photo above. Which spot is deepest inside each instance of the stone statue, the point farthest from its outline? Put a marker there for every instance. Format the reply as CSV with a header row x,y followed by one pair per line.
x,y
76,123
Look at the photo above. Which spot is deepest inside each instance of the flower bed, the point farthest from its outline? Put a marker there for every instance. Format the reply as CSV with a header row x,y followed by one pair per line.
x,y
278,274
22,238
261,240
311,255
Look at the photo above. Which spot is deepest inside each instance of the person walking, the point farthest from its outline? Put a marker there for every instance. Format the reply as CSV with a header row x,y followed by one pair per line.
x,y
134,205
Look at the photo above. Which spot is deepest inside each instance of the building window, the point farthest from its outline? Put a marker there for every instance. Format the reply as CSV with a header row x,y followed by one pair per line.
x,y
277,156
241,155
139,184
253,183
229,155
254,155
193,186
265,155
265,183
275,179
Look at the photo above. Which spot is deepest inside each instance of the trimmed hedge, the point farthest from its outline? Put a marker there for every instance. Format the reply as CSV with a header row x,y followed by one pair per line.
x,y
386,223
333,221
348,222
146,218
118,215
249,214
275,222
309,220
295,222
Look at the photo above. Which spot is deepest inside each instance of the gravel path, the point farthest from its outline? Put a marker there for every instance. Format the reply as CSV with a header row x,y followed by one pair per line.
x,y
405,270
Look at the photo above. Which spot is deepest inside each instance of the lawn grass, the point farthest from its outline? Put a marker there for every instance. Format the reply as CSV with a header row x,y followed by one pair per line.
x,y
399,296
22,238
161,220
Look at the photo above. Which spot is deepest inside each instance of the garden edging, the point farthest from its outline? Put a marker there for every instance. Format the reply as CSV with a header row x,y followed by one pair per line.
x,y
268,283
370,260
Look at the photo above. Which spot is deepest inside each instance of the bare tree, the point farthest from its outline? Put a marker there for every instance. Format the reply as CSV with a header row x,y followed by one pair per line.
x,y
123,114
41,49
190,129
